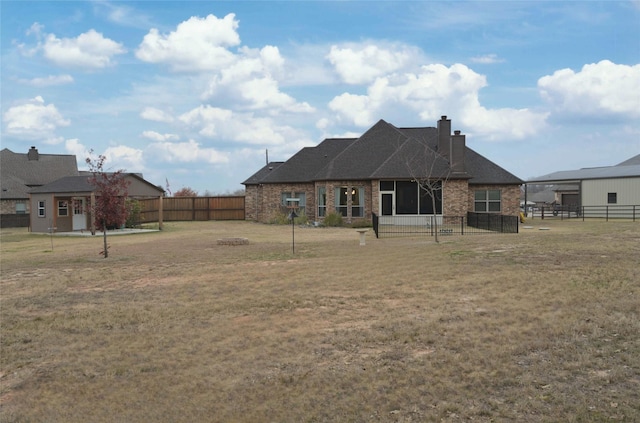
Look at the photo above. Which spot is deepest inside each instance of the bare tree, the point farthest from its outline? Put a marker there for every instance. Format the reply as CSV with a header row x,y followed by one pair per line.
x,y
430,170
111,190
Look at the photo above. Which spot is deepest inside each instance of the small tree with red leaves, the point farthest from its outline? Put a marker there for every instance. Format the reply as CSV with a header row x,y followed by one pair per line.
x,y
111,190
185,192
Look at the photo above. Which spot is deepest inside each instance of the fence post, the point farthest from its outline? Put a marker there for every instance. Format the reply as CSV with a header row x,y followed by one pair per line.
x,y
461,225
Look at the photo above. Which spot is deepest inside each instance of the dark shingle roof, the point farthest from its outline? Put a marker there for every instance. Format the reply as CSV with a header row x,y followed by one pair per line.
x,y
81,185
18,173
484,171
257,177
68,184
382,152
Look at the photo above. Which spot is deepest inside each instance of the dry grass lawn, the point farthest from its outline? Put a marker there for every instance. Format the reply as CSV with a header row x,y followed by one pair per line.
x,y
541,326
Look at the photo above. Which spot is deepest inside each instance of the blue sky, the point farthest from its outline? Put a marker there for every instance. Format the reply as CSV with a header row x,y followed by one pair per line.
x,y
195,92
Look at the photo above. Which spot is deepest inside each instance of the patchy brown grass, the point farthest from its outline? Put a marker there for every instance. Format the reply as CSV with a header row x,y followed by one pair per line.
x,y
538,326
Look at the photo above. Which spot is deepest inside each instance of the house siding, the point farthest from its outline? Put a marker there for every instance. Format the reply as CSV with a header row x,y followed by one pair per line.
x,y
42,224
594,192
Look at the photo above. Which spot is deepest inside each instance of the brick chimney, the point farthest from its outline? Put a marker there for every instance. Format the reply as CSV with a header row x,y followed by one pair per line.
x,y
32,154
458,147
444,137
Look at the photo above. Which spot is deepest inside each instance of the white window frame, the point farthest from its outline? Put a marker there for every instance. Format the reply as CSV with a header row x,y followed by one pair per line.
x,y
42,208
63,208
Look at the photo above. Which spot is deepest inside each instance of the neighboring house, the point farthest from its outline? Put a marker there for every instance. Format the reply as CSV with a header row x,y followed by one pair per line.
x,y
377,173
617,185
21,172
542,198
61,206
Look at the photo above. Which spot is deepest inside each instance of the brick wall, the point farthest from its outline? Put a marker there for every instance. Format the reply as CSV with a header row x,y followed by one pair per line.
x,y
509,198
263,202
455,193
9,206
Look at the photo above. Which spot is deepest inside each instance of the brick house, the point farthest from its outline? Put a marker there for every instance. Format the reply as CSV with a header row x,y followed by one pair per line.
x,y
384,171
20,172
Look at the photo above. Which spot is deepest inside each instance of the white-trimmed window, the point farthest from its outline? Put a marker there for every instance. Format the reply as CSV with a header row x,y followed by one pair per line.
x,y
301,196
357,202
322,201
21,207
42,207
63,208
487,201
341,198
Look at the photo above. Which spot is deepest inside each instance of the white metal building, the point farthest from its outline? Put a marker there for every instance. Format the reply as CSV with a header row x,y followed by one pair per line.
x,y
607,190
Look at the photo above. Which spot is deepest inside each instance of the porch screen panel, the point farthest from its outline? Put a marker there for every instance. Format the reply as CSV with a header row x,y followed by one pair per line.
x,y
426,203
406,197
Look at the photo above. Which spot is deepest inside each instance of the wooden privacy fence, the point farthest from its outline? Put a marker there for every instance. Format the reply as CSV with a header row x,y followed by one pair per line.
x,y
192,208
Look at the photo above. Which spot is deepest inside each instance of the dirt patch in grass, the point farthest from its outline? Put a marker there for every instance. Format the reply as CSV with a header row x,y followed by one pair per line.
x,y
536,326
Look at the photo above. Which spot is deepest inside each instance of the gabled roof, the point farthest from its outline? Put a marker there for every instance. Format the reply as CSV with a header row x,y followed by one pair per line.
x,y
635,160
18,173
382,152
81,185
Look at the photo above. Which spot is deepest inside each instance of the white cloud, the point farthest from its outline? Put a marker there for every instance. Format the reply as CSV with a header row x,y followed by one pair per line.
x,y
206,118
48,81
599,88
434,91
88,50
359,64
125,158
196,45
186,152
158,137
487,59
34,119
157,115
356,109
73,146
251,83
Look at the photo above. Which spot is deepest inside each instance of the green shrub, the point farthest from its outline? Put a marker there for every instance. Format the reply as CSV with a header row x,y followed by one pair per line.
x,y
133,213
282,218
333,219
361,223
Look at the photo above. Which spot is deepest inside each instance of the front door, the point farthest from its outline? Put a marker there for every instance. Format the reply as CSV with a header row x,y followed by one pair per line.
x,y
387,204
79,215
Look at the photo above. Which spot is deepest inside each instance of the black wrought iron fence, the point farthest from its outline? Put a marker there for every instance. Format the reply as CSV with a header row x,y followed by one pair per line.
x,y
473,223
